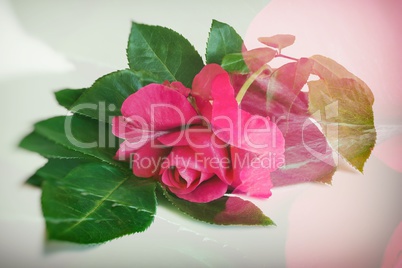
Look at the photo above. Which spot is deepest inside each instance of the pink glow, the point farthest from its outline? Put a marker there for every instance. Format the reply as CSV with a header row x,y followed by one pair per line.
x,y
364,37
361,35
393,253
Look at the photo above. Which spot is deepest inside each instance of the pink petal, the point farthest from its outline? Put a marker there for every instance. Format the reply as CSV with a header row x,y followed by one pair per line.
x,y
189,175
168,179
202,83
137,136
251,172
239,128
184,156
202,86
178,86
256,182
159,108
209,149
125,151
147,160
207,191
212,152
171,178
176,138
206,176
183,190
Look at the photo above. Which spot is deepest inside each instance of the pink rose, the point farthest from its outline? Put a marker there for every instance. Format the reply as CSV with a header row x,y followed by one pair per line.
x,y
151,112
199,156
257,144
198,167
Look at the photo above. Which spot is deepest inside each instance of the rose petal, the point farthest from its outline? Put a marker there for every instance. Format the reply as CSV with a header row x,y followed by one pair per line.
x,y
176,185
176,138
170,177
251,173
125,151
178,86
239,128
209,149
147,160
136,136
206,176
202,83
184,156
202,86
159,108
189,175
207,191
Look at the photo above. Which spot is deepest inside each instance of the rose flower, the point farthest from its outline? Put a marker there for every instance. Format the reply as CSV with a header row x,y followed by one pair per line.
x,y
200,151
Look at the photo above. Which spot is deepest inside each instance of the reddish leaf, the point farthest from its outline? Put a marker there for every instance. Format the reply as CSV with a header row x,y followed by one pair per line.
x,y
344,110
329,69
284,87
278,41
256,58
239,211
307,154
227,210
343,102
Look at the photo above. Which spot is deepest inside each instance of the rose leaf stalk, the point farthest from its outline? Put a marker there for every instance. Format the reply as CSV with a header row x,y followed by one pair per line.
x,y
249,81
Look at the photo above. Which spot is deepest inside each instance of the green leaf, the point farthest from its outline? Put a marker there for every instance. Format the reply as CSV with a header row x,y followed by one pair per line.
x,y
223,40
223,211
344,111
104,98
329,69
35,180
248,61
67,97
162,52
95,203
81,134
39,144
55,169
234,63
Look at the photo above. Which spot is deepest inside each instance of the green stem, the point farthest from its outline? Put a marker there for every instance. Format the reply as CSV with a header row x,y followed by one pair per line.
x,y
248,83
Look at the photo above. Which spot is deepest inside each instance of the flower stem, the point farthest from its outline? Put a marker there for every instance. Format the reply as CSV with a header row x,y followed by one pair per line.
x,y
248,83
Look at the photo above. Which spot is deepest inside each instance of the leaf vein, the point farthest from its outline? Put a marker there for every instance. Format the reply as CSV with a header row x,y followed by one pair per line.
x,y
99,203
